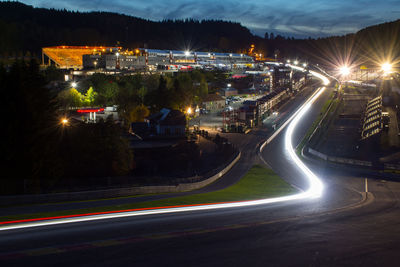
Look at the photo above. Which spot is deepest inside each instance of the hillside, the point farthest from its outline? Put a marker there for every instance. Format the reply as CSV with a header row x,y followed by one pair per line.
x,y
28,29
25,28
371,46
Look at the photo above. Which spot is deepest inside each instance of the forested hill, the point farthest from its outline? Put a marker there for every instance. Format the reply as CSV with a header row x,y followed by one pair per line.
x,y
371,46
24,28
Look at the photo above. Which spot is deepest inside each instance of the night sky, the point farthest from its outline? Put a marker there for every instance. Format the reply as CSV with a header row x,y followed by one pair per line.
x,y
299,18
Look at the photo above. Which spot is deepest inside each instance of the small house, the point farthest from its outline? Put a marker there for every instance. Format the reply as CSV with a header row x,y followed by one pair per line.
x,y
167,122
229,91
214,103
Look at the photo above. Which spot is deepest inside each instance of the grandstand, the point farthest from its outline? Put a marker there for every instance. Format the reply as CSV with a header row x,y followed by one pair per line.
x,y
70,57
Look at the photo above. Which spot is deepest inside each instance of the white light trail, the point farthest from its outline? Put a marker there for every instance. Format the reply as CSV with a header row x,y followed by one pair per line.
x,y
323,78
315,185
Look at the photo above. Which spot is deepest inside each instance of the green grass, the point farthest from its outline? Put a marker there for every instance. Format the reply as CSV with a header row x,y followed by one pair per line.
x,y
258,183
316,122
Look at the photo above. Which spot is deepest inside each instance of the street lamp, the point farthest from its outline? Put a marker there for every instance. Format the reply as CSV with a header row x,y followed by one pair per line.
x,y
344,70
64,121
188,113
386,68
74,84
117,62
296,62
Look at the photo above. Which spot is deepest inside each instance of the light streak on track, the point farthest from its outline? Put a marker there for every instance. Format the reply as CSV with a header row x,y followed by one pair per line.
x,y
324,79
315,186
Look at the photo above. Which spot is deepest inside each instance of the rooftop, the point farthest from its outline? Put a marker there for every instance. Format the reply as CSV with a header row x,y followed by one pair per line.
x,y
213,97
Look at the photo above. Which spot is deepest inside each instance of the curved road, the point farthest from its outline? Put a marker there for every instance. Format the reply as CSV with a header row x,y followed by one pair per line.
x,y
343,227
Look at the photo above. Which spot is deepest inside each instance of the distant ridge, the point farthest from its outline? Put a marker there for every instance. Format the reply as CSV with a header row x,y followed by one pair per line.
x,y
25,28
29,28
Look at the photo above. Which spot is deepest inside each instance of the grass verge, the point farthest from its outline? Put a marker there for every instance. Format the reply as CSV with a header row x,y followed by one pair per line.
x,y
316,123
258,183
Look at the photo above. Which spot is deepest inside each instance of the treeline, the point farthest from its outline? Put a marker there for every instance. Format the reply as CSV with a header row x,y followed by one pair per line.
x,y
38,150
370,46
139,95
25,28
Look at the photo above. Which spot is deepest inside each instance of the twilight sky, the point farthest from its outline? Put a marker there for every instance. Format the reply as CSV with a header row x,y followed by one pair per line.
x,y
298,18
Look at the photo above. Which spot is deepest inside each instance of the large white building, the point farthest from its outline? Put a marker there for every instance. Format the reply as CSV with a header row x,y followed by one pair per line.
x,y
113,61
170,59
154,59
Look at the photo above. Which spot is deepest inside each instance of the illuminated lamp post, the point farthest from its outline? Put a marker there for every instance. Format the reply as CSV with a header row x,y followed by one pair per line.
x,y
64,121
117,62
187,53
189,112
386,68
344,72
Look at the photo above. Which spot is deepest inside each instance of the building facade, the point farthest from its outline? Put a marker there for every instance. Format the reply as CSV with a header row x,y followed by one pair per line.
x,y
214,103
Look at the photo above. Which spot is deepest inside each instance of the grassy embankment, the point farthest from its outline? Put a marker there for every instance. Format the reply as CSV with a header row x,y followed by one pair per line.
x,y
258,183
330,104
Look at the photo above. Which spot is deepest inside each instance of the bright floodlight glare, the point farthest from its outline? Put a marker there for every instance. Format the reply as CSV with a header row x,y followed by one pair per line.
x,y
386,67
288,61
187,53
304,65
117,54
296,62
64,121
344,70
73,84
189,110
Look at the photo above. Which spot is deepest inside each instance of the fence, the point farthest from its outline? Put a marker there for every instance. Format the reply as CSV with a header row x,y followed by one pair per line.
x,y
116,192
339,160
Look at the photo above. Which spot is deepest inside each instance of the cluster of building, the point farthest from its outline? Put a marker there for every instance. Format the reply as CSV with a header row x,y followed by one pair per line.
x,y
252,112
115,58
280,77
167,59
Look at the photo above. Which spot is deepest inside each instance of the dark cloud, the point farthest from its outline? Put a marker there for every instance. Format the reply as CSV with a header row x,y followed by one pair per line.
x,y
300,18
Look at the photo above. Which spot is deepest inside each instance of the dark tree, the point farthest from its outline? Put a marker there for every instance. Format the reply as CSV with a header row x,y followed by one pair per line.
x,y
31,126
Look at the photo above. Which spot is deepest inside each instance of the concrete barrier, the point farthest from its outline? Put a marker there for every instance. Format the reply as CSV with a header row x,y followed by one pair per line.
x,y
111,193
338,159
317,154
392,166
